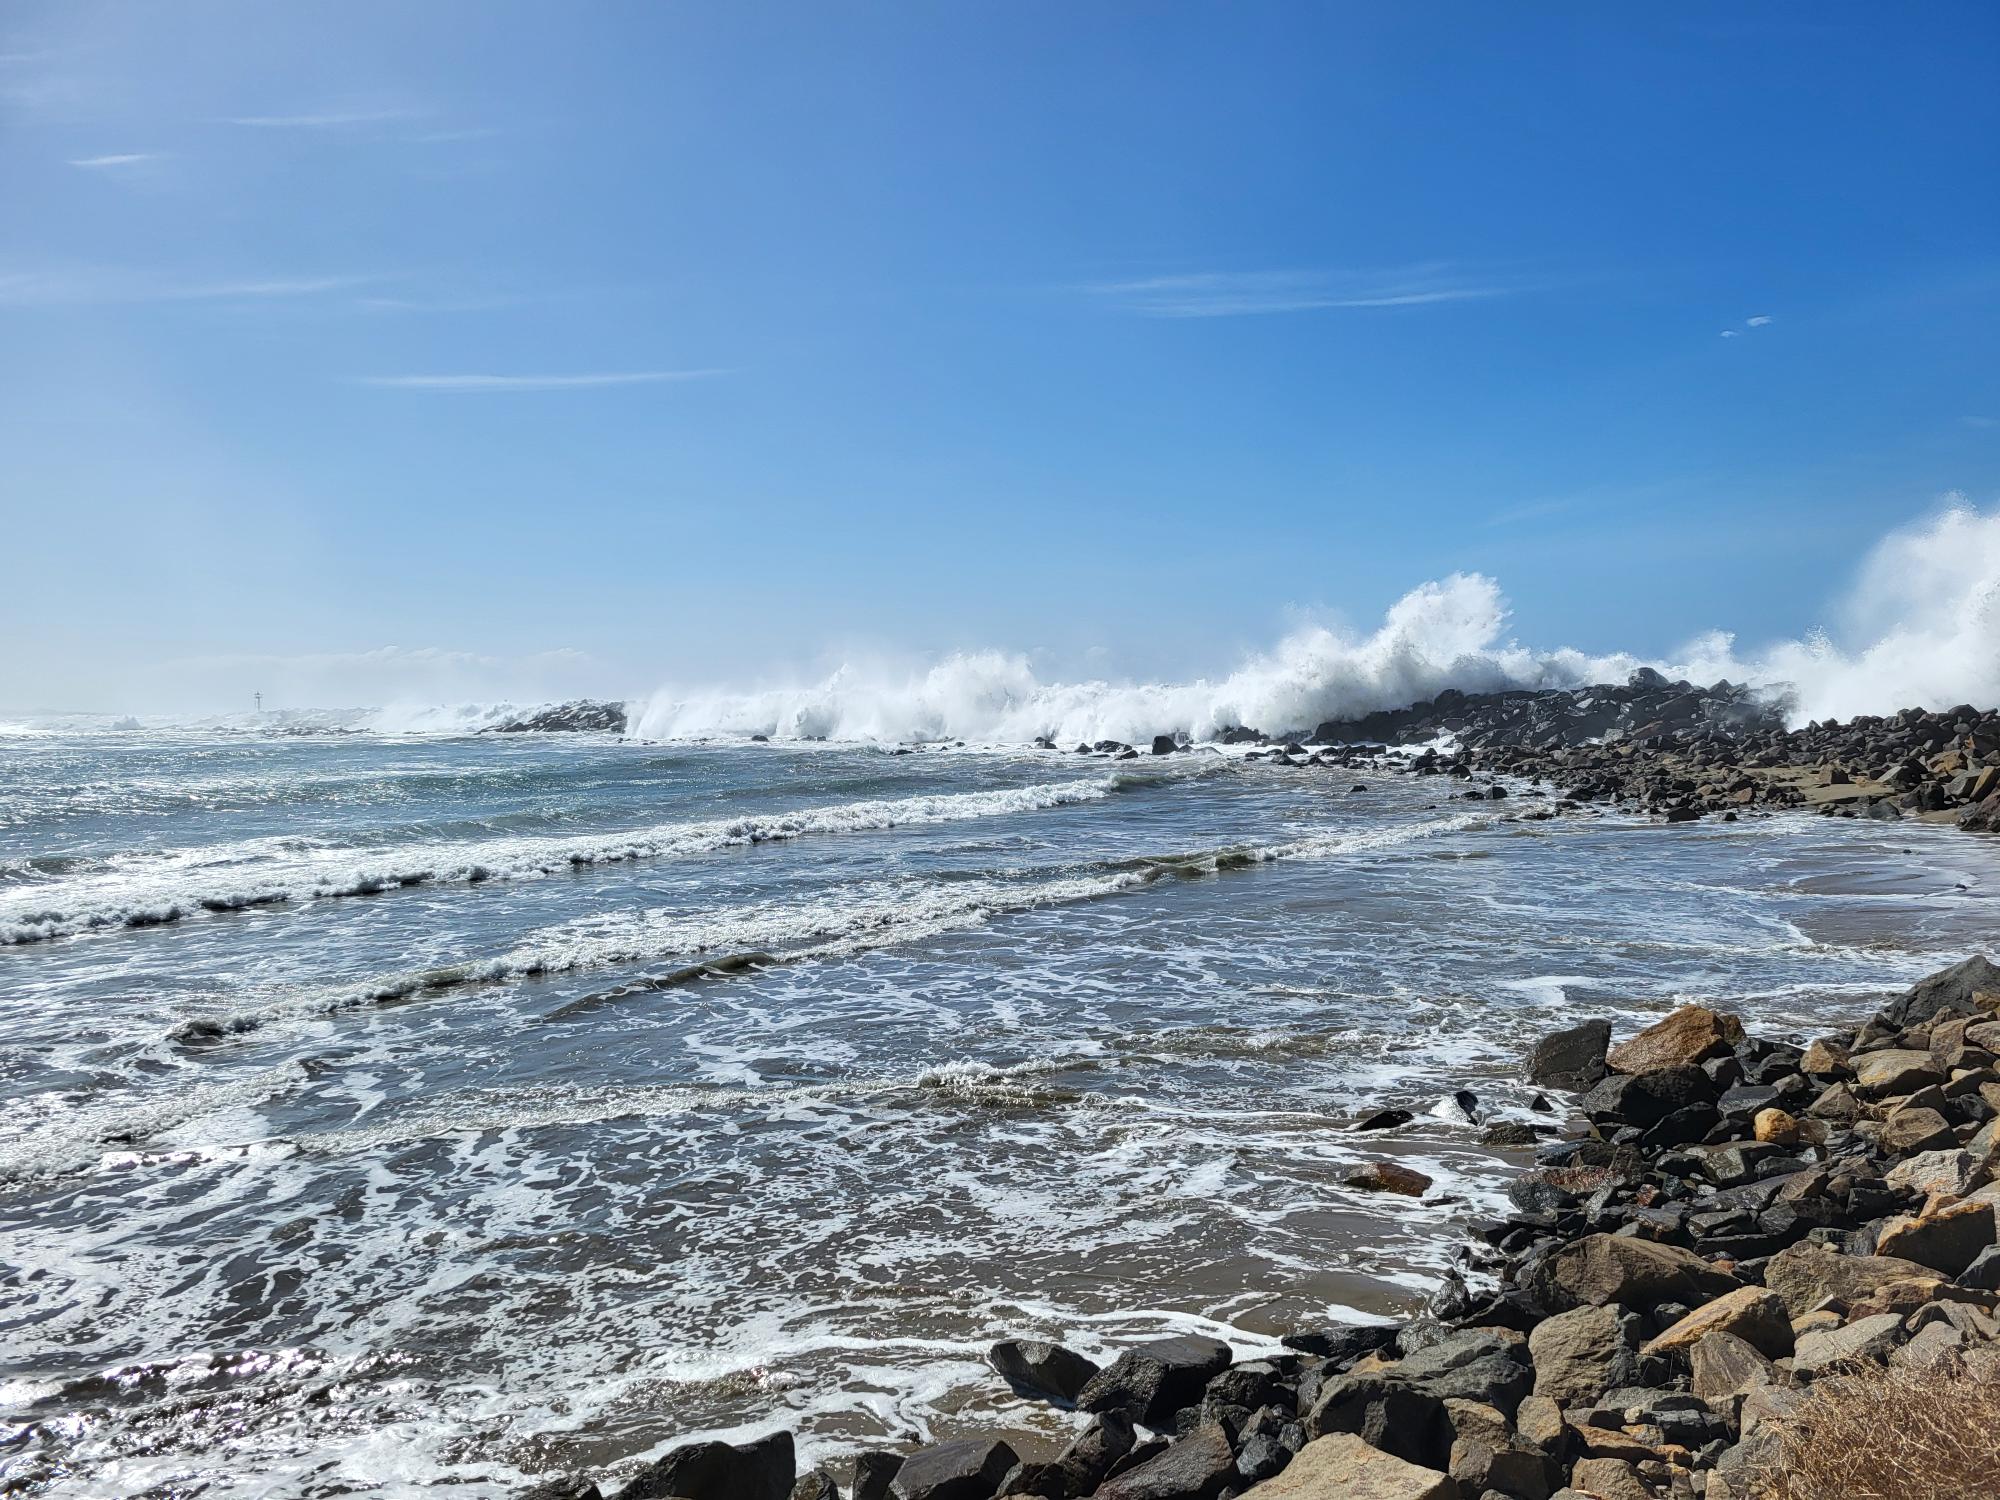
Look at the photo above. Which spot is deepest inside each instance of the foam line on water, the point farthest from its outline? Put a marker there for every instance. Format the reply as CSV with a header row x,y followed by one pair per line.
x,y
851,921
242,876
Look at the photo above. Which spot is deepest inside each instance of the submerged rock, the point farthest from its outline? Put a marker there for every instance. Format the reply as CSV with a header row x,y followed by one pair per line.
x,y
1388,1177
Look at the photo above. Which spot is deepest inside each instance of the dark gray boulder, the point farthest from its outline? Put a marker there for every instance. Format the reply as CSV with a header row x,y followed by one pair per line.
x,y
1645,1099
1034,1367
874,1471
1196,1467
1152,1381
563,1487
760,1470
1949,989
1571,1059
1341,1347
968,1469
1093,1453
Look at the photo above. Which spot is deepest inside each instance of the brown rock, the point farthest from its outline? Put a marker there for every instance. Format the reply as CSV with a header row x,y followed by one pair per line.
x,y
1725,1366
1908,1131
1837,1103
1775,1127
1540,1421
1805,1274
1579,1354
1691,1035
1601,1268
1388,1177
1864,1340
1609,1479
1894,1072
1342,1467
1945,1241
1825,1059
1754,1314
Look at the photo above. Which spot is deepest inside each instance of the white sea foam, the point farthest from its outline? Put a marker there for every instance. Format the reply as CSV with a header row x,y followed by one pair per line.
x,y
848,921
152,890
1925,608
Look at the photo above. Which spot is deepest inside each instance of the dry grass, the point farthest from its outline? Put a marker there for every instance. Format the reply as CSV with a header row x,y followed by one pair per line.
x,y
1891,1434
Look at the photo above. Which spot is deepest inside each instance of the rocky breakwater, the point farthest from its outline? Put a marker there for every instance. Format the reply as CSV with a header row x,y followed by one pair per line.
x,y
579,717
1748,1270
1679,751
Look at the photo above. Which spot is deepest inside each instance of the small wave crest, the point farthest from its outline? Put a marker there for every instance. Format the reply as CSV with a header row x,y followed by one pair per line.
x,y
851,921
239,878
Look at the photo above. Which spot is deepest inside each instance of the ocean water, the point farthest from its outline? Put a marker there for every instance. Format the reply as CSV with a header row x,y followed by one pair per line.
x,y
371,1124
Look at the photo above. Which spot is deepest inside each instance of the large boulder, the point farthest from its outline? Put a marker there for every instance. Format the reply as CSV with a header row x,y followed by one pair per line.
x,y
1603,1268
1487,1365
1864,1340
1725,1365
872,1472
968,1469
1949,989
1152,1381
1646,1099
1038,1368
759,1470
1572,1060
1080,1467
1386,1414
1685,1039
1806,1274
1755,1314
1894,1071
1197,1467
1343,1467
1581,1354
1949,1240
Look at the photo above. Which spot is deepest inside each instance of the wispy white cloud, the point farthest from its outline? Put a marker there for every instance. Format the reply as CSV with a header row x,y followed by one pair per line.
x,y
1762,320
86,286
328,120
1227,294
484,384
119,159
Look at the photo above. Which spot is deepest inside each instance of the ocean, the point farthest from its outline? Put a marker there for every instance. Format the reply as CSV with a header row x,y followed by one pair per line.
x,y
426,1113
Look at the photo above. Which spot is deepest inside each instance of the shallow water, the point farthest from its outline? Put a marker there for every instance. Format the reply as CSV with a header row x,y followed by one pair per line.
x,y
373,1159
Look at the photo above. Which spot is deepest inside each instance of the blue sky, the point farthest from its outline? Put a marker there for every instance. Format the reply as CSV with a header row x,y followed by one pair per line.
x,y
592,347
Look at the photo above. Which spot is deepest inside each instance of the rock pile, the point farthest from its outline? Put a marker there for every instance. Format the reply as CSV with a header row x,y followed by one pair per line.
x,y
581,716
1646,707
1732,1221
1680,751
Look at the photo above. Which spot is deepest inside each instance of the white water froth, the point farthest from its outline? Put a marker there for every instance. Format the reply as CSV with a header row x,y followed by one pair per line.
x,y
1926,602
847,922
150,890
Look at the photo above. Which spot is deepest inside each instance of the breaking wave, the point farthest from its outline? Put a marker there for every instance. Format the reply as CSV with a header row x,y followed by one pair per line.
x,y
1919,626
1926,602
